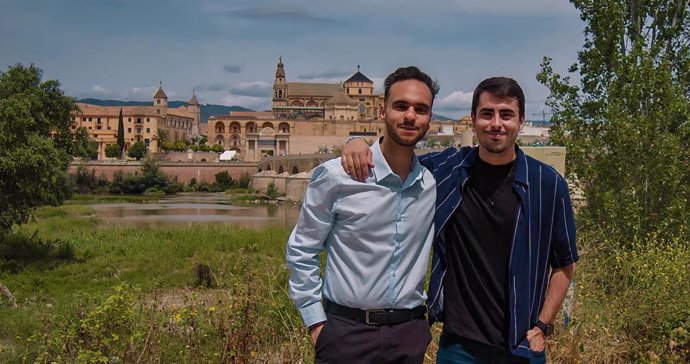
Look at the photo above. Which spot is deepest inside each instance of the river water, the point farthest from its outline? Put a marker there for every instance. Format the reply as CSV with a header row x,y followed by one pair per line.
x,y
188,209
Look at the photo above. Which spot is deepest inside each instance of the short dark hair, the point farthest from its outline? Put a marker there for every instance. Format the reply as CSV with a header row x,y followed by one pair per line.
x,y
409,73
501,87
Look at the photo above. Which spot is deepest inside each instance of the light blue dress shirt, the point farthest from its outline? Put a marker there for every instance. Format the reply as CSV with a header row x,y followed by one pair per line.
x,y
377,236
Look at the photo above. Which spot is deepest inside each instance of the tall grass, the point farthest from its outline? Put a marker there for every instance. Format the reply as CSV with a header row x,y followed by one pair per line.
x,y
138,295
130,295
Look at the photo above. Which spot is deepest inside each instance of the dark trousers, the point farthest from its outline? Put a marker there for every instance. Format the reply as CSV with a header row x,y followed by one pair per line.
x,y
456,350
347,341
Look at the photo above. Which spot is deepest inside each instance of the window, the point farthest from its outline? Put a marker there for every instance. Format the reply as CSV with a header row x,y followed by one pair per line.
x,y
129,130
138,130
138,120
359,91
83,119
148,130
89,119
98,120
158,101
148,120
158,111
129,120
89,128
147,142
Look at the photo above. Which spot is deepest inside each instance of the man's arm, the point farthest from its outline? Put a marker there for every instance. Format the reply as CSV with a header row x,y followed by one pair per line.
x,y
306,242
555,293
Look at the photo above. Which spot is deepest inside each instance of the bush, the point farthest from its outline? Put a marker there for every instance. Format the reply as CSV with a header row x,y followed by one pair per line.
x,y
137,150
151,176
224,180
218,148
18,250
205,148
113,151
244,181
631,305
272,191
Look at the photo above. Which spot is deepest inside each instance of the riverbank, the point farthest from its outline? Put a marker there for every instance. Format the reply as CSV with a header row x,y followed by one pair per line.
x,y
218,293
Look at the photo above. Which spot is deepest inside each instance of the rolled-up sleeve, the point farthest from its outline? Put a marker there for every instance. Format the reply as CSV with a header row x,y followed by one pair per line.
x,y
564,248
307,241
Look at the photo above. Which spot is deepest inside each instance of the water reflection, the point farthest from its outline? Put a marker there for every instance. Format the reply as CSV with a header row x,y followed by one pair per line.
x,y
189,209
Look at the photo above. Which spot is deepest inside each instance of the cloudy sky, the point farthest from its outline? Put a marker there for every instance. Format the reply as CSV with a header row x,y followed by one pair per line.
x,y
227,50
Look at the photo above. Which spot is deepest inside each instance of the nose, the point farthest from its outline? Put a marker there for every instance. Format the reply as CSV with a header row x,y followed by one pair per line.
x,y
410,114
496,121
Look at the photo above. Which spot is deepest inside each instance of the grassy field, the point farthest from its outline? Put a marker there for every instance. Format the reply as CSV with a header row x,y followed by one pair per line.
x,y
215,293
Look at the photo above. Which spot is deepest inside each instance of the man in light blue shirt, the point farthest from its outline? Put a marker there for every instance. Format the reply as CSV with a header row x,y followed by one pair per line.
x,y
368,307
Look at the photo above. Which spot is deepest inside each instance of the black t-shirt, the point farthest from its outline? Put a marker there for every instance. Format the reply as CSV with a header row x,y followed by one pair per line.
x,y
478,238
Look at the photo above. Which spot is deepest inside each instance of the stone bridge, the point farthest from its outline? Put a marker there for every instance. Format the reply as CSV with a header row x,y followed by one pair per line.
x,y
295,163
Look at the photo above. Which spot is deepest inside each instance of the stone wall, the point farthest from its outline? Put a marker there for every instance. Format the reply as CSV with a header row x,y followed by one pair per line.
x,y
183,171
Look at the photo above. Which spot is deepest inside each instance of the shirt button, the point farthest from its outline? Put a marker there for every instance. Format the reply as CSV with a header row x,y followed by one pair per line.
x,y
394,275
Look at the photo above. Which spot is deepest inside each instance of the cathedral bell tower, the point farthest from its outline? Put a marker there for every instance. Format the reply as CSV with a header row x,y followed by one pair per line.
x,y
280,86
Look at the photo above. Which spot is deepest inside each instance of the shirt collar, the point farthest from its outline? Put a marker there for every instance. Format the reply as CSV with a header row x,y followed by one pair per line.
x,y
383,170
521,168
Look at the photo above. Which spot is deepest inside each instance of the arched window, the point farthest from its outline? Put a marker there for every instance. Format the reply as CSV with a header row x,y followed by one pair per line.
x,y
220,140
284,128
250,127
235,127
235,140
220,128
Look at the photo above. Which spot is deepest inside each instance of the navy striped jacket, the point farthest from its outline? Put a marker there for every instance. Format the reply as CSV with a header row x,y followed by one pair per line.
x,y
543,235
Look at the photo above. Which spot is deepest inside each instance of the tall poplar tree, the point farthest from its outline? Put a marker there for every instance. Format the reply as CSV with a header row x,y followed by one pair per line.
x,y
121,134
625,120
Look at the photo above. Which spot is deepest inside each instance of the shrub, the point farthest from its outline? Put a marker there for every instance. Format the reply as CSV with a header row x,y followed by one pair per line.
x,y
137,150
272,191
18,250
223,180
244,181
113,151
218,148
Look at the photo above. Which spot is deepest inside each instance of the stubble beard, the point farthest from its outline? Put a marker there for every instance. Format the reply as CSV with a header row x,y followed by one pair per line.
x,y
392,133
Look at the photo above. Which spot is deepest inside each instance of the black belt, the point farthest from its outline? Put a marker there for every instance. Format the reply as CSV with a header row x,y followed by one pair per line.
x,y
381,316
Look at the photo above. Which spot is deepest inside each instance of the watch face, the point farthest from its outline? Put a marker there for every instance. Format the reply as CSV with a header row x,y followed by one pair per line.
x,y
549,330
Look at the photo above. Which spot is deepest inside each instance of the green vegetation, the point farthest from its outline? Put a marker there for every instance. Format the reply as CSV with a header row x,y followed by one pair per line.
x,y
626,125
127,295
112,151
137,150
36,143
626,129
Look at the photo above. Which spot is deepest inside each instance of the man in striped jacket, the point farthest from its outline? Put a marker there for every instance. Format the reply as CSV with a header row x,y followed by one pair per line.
x,y
504,249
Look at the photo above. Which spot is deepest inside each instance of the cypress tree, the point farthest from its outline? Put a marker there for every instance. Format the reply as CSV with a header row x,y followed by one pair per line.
x,y
121,134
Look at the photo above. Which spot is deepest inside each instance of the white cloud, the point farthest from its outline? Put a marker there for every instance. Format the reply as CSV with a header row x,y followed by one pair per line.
x,y
456,100
141,91
100,89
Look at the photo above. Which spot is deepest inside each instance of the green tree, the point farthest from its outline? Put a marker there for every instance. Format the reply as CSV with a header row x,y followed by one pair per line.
x,y
180,145
121,134
625,125
83,147
137,150
35,143
113,151
167,146
217,148
161,136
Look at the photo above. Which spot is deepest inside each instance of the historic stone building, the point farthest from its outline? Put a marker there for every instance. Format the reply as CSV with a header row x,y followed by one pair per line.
x,y
141,123
354,99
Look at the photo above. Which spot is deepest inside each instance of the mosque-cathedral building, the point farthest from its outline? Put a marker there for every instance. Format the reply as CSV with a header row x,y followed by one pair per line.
x,y
306,117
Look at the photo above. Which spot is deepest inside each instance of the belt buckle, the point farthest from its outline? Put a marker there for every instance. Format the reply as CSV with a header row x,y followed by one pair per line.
x,y
367,312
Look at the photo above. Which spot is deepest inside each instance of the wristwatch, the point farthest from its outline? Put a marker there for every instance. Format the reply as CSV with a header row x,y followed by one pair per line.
x,y
547,329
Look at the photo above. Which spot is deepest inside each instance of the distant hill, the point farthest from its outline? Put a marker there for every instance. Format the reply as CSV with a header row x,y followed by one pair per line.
x,y
207,110
441,118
